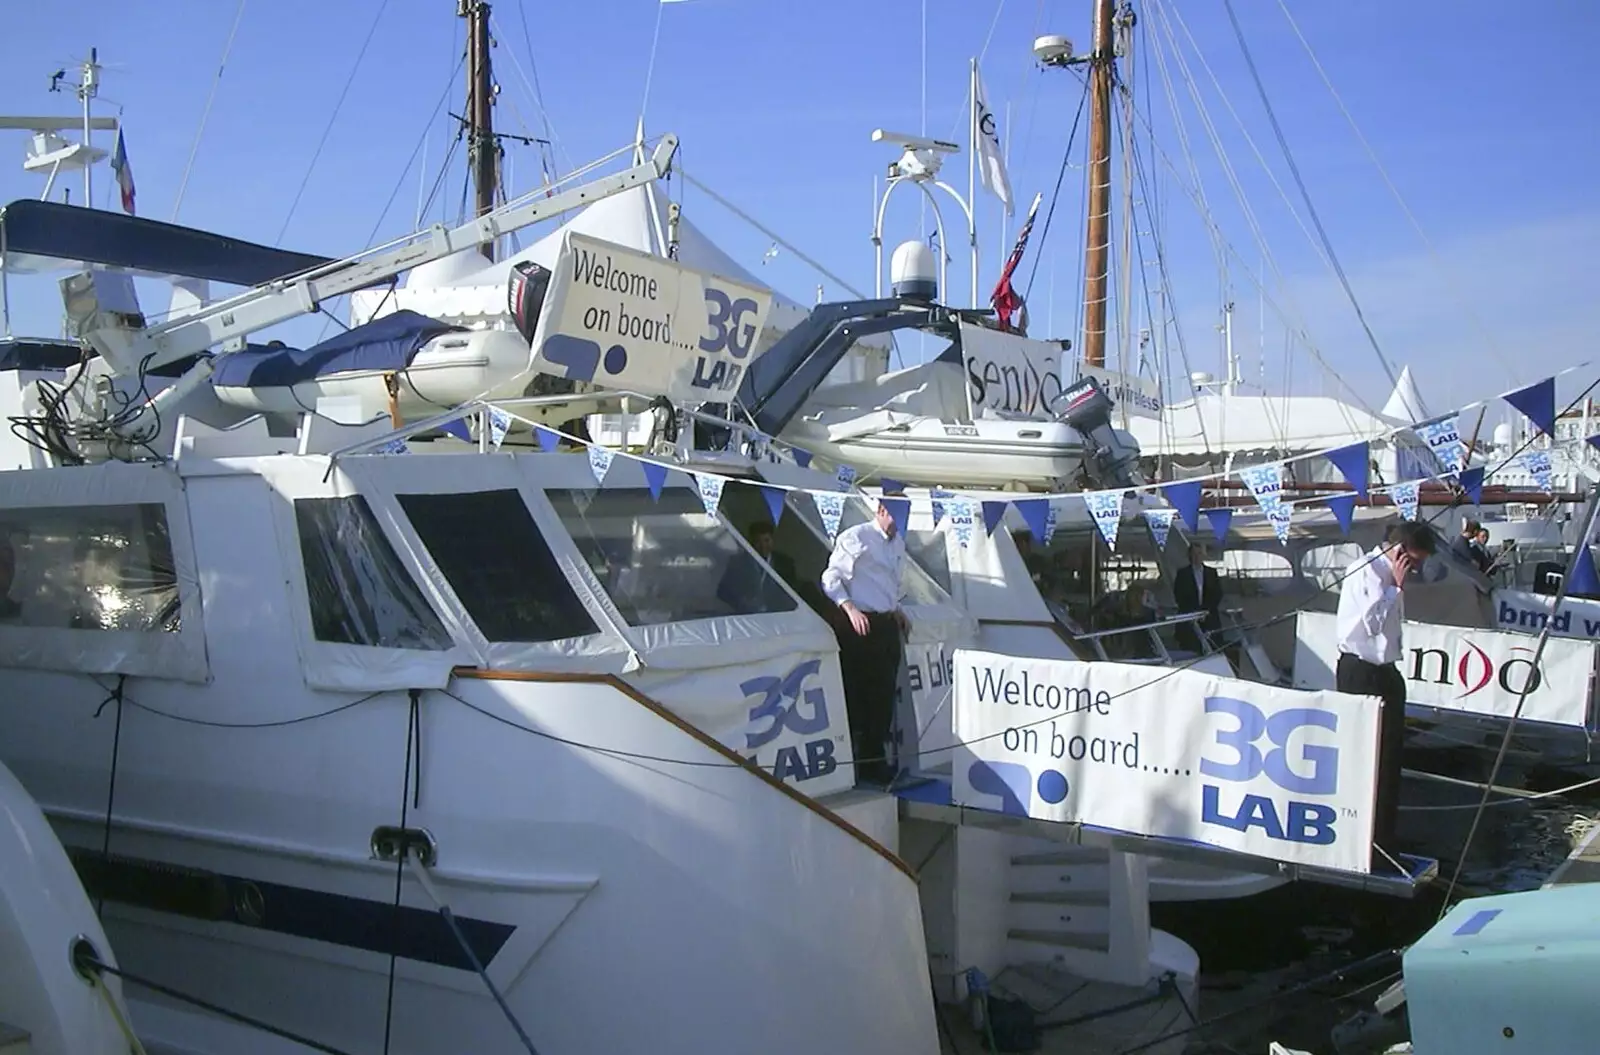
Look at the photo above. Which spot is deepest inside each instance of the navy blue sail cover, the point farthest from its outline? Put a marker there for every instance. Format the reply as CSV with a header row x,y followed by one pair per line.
x,y
112,239
388,343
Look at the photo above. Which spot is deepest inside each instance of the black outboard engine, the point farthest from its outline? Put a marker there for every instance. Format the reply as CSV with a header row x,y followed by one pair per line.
x,y
525,296
1087,410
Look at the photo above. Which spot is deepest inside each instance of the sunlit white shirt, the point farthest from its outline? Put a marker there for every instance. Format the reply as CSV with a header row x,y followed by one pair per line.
x,y
865,568
1370,610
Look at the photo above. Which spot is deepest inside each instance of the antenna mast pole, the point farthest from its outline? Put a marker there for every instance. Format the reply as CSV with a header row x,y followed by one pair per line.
x,y
1097,242
483,149
88,88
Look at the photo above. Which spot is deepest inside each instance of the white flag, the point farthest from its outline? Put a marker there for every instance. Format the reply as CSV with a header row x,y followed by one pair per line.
x,y
991,163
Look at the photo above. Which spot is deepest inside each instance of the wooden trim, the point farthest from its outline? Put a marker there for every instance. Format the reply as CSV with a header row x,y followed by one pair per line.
x,y
553,677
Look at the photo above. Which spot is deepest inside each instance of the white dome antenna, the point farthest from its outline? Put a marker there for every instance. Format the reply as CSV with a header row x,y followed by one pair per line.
x,y
913,273
1053,50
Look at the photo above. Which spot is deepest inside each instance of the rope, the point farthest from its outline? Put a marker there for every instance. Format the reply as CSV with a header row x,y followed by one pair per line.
x,y
1055,195
413,725
88,964
1514,795
205,115
466,947
116,697
333,117
99,985
1311,209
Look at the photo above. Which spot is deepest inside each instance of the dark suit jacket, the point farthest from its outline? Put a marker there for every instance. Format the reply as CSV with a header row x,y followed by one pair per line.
x,y
1207,599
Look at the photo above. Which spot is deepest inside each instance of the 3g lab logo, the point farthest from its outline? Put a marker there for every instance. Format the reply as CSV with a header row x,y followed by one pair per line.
x,y
790,703
1311,769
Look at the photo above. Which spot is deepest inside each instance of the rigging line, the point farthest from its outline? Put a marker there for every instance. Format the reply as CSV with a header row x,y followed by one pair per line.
x,y
532,82
769,233
413,727
1311,209
327,130
1055,195
1472,315
1196,195
205,114
650,67
961,118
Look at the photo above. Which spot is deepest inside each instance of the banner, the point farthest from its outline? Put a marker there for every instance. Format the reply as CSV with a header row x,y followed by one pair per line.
x,y
1285,775
1472,671
787,714
1521,612
1014,375
1139,397
618,318
991,163
1444,440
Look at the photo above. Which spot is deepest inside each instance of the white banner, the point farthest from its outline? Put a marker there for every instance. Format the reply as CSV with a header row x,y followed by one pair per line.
x,y
1518,610
789,717
1014,375
618,318
1139,397
1460,669
1285,775
991,164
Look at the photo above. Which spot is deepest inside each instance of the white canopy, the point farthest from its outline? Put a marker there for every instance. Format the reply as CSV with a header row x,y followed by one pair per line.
x,y
1223,424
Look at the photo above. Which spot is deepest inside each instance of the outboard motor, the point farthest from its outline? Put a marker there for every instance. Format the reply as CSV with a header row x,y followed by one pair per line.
x,y
525,296
1087,410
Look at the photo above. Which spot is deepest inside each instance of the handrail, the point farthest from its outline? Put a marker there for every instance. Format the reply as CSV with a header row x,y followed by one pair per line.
x,y
479,674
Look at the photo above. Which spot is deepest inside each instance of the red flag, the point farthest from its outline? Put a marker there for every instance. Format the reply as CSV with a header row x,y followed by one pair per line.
x,y
1005,298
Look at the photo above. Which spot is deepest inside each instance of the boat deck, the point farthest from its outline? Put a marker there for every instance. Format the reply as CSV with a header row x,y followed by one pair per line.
x,y
929,798
1582,865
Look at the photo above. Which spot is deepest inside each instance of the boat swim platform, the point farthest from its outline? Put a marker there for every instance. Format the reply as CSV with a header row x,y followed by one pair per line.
x,y
930,799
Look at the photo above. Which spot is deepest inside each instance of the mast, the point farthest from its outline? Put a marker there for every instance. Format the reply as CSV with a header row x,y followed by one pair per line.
x,y
483,148
1097,241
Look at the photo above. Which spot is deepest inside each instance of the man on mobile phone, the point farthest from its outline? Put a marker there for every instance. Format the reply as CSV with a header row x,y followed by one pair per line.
x,y
1371,608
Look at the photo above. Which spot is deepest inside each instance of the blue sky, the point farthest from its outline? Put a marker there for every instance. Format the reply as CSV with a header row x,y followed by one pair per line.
x,y
774,104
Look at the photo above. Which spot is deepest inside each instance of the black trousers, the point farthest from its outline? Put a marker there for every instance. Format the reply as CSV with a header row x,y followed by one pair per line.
x,y
1360,678
871,668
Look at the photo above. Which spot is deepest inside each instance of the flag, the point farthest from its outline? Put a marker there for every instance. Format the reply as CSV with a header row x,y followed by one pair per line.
x,y
124,173
1005,298
986,145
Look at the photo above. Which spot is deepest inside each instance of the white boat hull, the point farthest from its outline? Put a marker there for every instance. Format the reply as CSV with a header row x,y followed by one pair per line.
x,y
983,454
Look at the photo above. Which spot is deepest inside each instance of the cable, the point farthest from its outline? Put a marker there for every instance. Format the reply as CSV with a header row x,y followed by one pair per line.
x,y
1066,156
205,115
111,788
1311,209
333,117
466,947
412,726
87,963
1510,800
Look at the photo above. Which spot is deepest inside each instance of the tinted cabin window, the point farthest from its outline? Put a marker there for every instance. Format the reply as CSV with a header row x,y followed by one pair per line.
x,y
103,567
360,593
666,560
489,549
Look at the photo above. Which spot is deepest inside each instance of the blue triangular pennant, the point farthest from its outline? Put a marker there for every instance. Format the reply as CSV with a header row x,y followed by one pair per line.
x,y
457,428
1343,508
1184,496
936,498
1036,514
899,511
1353,462
802,457
548,440
1584,579
1221,520
1472,483
775,498
655,477
993,513
888,486
1537,403
1593,441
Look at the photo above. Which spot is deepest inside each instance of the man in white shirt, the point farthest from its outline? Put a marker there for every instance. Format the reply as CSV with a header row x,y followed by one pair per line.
x,y
1371,607
863,578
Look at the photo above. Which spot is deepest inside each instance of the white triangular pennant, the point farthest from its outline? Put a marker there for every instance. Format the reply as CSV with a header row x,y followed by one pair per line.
x,y
938,498
1405,498
1280,516
830,507
1444,440
1052,517
963,517
846,476
1265,483
499,425
1160,521
1539,466
1106,509
599,463
710,488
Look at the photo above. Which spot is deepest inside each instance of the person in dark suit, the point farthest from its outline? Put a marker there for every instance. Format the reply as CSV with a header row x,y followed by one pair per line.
x,y
746,587
1198,588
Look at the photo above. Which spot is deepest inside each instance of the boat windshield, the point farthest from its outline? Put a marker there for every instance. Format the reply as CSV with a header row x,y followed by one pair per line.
x,y
665,560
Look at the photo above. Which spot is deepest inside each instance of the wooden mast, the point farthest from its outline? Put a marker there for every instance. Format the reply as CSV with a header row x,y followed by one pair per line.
x,y
1097,241
483,148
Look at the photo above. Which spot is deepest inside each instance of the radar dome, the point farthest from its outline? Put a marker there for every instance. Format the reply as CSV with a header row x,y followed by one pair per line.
x,y
1504,434
911,272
